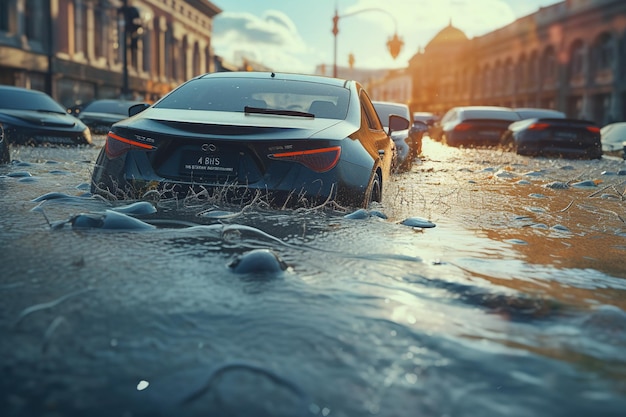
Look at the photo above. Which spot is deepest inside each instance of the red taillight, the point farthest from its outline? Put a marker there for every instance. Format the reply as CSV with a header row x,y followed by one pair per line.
x,y
593,129
117,145
319,160
538,126
462,127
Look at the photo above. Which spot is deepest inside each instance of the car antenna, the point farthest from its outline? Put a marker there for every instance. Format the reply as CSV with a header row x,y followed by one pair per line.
x,y
273,75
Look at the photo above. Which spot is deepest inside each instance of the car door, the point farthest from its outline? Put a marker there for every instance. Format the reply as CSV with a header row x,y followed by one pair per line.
x,y
372,126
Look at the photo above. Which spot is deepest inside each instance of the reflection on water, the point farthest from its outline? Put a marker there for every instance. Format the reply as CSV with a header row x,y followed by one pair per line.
x,y
358,316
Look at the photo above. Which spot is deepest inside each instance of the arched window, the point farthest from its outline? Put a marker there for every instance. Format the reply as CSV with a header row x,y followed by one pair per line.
x,y
603,52
80,27
33,19
6,9
497,78
577,60
487,81
549,64
521,72
508,80
533,70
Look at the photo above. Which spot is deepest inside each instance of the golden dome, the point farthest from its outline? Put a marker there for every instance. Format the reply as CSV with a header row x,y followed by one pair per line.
x,y
446,36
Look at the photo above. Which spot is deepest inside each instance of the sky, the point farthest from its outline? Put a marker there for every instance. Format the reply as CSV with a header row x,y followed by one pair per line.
x,y
296,35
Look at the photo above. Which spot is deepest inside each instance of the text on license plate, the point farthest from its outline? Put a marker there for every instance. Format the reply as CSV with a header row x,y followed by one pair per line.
x,y
214,164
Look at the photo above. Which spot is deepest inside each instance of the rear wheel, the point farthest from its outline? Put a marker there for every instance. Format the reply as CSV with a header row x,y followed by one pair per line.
x,y
375,193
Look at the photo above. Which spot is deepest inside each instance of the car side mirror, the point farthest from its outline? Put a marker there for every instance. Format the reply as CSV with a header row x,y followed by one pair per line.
x,y
137,108
398,123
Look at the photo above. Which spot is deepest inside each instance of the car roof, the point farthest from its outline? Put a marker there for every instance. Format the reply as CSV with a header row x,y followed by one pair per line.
x,y
393,103
488,112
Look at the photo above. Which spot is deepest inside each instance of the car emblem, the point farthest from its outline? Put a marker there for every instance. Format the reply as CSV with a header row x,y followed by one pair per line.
x,y
209,147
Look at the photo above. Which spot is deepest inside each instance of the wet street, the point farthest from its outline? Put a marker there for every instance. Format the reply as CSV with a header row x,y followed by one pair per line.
x,y
513,304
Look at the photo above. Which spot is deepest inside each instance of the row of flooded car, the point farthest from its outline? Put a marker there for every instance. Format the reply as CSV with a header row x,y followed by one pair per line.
x,y
529,131
286,139
526,131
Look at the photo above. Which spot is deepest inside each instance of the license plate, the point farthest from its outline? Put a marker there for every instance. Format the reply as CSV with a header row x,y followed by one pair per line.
x,y
55,139
489,133
566,135
209,165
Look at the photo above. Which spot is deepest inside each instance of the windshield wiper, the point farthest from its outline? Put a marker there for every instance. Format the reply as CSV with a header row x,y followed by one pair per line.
x,y
260,110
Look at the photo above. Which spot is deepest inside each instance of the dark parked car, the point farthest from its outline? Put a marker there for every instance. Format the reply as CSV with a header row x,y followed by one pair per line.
x,y
31,117
408,141
99,115
236,136
471,126
425,117
5,152
613,137
549,133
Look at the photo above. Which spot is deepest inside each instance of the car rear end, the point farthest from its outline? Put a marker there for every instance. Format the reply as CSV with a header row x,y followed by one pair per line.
x,y
235,163
560,137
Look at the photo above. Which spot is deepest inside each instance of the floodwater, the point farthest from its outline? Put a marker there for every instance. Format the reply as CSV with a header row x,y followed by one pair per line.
x,y
512,305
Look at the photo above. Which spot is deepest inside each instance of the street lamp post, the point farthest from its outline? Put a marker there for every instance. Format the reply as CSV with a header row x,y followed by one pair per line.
x,y
394,44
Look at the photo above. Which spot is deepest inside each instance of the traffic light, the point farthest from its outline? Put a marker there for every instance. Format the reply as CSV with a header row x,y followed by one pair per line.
x,y
395,45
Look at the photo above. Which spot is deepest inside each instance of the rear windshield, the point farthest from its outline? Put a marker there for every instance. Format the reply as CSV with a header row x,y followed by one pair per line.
x,y
28,100
385,110
233,94
112,107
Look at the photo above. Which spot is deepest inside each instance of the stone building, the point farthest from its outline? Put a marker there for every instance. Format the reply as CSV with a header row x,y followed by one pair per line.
x,y
74,49
570,56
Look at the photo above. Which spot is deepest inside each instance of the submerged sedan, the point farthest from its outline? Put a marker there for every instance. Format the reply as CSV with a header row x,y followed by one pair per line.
x,y
99,115
408,141
292,140
31,117
613,137
550,133
471,126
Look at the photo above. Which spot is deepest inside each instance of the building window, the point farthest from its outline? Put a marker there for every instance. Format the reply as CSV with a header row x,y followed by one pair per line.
x,y
549,64
4,16
509,77
533,70
522,73
80,27
100,19
33,18
604,52
577,60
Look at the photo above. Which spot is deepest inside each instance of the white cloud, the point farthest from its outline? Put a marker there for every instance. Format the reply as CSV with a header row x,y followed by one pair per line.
x,y
271,39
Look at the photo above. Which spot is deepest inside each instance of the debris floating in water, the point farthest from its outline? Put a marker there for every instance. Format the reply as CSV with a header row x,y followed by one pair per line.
x,y
418,222
557,185
258,260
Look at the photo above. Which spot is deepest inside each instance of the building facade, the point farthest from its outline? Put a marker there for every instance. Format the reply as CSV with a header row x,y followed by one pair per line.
x,y
570,56
79,50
